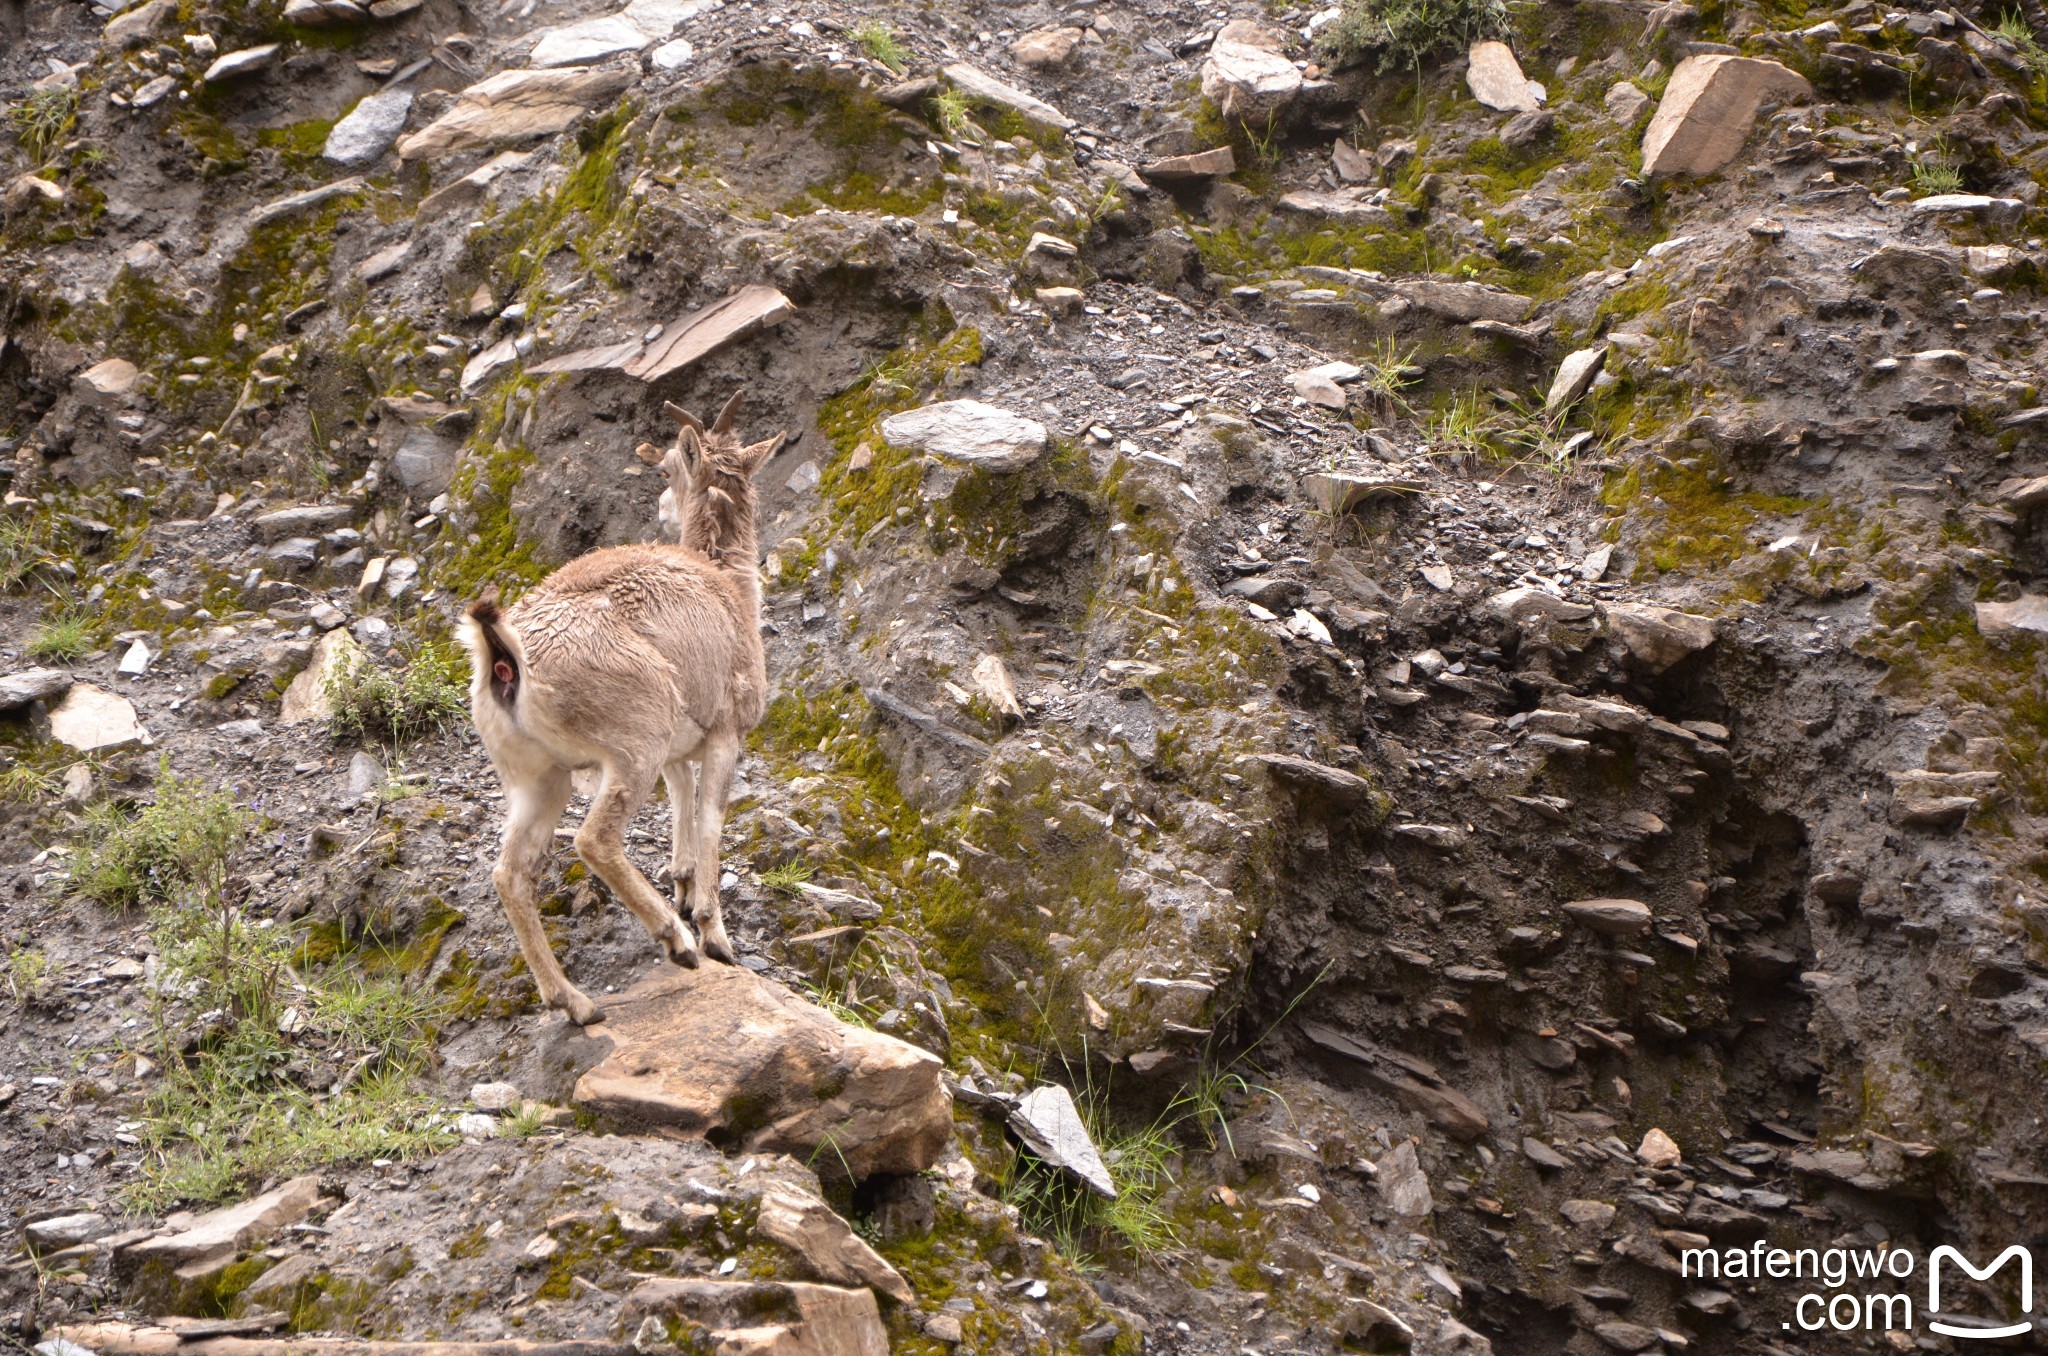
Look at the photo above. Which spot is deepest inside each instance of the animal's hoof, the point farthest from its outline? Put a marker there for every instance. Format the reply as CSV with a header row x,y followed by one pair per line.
x,y
677,943
581,1010
719,949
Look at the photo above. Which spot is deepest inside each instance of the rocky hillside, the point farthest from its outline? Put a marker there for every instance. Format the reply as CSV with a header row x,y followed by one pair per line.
x,y
1407,648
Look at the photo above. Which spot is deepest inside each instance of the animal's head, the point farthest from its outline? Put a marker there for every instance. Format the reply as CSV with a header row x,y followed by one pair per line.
x,y
710,475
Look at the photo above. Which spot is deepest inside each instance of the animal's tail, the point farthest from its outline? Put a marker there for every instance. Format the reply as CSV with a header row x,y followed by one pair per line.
x,y
494,649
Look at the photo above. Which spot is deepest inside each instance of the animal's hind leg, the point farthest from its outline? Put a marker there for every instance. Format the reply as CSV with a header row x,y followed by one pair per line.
x,y
601,842
681,776
533,808
718,756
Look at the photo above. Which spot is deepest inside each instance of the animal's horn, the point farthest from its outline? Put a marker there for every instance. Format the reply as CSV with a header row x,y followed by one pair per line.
x,y
723,424
681,415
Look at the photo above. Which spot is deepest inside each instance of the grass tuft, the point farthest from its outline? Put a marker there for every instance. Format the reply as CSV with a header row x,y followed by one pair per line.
x,y
1402,34
370,701
880,42
169,848
65,637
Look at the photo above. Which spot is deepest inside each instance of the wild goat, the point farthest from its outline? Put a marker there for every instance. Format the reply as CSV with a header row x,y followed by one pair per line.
x,y
636,661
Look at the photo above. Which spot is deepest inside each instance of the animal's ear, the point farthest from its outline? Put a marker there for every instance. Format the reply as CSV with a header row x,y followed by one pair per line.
x,y
682,416
650,454
757,456
689,449
723,423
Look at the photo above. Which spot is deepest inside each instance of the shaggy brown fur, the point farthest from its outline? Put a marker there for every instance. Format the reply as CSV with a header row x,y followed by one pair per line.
x,y
638,661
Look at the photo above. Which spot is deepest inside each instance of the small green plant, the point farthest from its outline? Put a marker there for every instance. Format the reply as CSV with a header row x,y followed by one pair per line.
x,y
879,42
24,544
952,107
786,879
1932,177
1461,427
169,848
2015,29
243,1108
368,700
25,785
43,121
65,637
1402,34
1077,1220
529,1120
27,971
1388,369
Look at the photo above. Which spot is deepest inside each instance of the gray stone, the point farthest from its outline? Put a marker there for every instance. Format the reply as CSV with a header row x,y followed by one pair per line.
x,y
90,719
217,1236
830,1251
1574,378
1046,48
2025,614
139,26
1212,164
1614,917
1625,103
495,1097
306,700
1496,80
969,432
32,685
66,1230
1051,1127
514,106
107,384
365,773
980,84
369,129
301,521
1657,637
1542,1155
1248,83
425,462
247,61
1402,1186
764,1318
1708,109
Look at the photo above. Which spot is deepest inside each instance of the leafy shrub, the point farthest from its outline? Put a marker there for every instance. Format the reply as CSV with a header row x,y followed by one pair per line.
x,y
371,701
174,848
1403,33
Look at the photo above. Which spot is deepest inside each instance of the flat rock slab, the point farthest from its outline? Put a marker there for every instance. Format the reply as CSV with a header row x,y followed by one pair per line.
x,y
747,311
245,62
979,84
764,1318
369,129
2028,613
969,432
1051,1127
1402,1186
514,106
1613,917
1339,492
222,1233
1575,376
742,1061
1335,206
1709,108
32,685
1496,80
1201,165
106,383
827,1244
90,719
1464,302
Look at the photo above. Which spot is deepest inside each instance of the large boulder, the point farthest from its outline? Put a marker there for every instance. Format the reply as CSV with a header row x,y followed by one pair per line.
x,y
742,1061
512,107
1708,109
